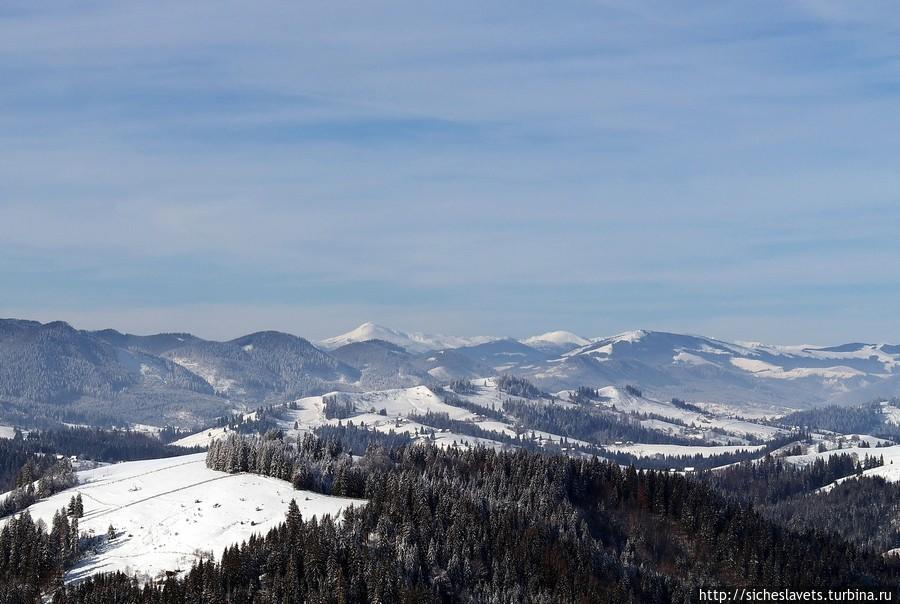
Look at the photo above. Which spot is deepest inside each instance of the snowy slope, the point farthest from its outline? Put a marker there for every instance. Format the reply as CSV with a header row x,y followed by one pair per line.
x,y
891,457
397,405
387,410
640,450
890,471
699,368
621,400
392,409
201,439
166,510
561,341
412,341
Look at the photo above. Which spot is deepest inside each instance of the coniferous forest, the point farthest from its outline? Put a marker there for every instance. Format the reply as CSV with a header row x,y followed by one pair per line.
x,y
449,525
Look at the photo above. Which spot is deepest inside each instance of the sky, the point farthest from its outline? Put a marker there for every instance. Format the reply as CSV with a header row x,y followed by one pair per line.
x,y
504,168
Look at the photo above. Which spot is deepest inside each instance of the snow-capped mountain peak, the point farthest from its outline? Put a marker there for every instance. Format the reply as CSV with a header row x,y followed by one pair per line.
x,y
412,341
626,336
366,331
556,340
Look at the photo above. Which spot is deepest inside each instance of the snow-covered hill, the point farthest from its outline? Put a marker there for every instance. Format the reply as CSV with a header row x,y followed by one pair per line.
x,y
556,341
483,406
168,512
703,424
412,341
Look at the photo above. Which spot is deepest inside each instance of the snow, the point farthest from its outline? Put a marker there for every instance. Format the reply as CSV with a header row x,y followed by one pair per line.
x,y
891,413
641,450
7,431
145,428
398,405
663,426
891,454
755,365
201,439
890,471
505,428
412,341
166,510
221,384
601,353
627,403
626,336
833,440
867,351
404,401
763,369
387,410
440,373
690,359
556,338
742,426
440,438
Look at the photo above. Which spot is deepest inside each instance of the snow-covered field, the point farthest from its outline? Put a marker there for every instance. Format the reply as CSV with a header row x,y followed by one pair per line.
x,y
201,439
165,511
640,450
7,431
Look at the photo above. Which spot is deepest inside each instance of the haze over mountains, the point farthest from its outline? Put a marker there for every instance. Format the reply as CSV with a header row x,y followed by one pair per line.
x,y
55,371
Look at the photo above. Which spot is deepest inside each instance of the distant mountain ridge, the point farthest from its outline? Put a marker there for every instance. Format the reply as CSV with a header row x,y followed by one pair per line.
x,y
412,341
703,368
56,372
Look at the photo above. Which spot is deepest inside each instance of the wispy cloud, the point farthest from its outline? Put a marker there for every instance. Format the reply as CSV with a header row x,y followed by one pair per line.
x,y
505,168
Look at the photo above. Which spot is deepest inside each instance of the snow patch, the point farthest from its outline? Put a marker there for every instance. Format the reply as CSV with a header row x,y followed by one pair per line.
x,y
690,359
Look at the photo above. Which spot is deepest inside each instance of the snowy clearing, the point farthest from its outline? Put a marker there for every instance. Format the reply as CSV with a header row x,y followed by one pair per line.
x,y
165,511
640,450
891,456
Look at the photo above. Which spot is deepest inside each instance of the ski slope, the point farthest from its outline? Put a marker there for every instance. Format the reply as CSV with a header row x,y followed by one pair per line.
x,y
168,512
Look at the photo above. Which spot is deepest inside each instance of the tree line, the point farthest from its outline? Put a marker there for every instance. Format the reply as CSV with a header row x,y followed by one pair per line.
x,y
450,525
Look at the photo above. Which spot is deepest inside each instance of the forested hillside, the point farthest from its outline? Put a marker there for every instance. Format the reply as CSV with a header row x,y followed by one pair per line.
x,y
444,525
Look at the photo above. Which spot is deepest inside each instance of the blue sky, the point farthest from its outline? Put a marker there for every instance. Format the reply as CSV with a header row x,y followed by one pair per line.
x,y
507,168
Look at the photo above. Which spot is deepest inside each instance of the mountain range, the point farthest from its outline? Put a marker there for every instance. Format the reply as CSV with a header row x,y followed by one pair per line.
x,y
55,372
